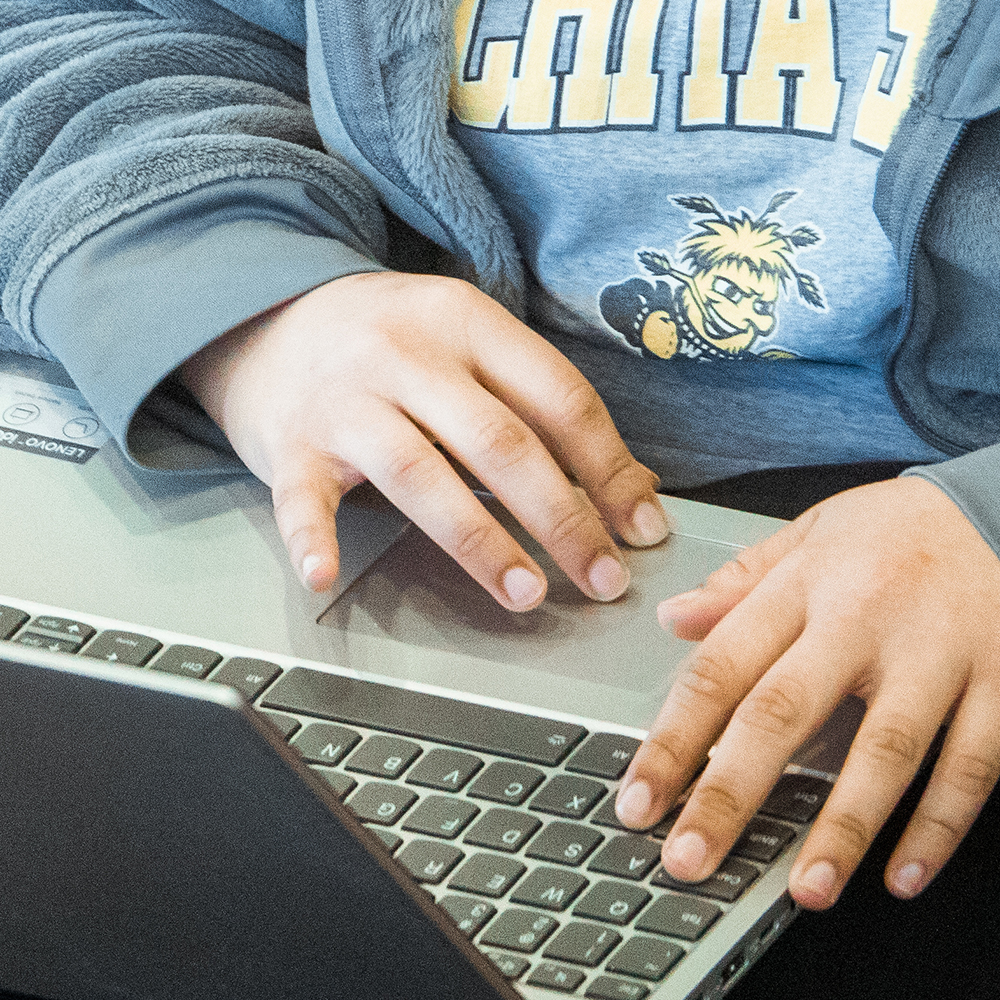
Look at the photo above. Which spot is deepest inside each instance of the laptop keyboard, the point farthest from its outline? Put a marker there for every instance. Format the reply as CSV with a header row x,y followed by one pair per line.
x,y
506,818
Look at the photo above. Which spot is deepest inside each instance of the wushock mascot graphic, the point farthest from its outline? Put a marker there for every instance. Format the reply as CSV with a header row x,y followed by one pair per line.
x,y
724,301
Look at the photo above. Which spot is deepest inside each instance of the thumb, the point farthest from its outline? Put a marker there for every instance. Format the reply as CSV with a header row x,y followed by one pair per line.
x,y
694,614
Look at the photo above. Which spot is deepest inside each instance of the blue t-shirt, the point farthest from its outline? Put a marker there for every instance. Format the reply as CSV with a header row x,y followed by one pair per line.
x,y
692,181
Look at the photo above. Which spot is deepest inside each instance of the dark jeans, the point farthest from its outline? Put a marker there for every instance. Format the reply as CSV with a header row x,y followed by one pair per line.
x,y
943,944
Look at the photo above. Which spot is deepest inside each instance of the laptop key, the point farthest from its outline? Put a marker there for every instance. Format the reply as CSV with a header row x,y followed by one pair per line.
x,y
187,661
383,756
429,860
609,988
556,977
645,957
613,902
62,628
503,830
604,755
763,840
470,914
550,888
125,648
445,770
287,725
11,619
441,816
323,743
511,966
487,875
433,717
35,640
726,883
606,815
519,930
503,782
568,796
390,839
342,784
679,916
584,944
382,803
248,675
628,856
564,843
797,797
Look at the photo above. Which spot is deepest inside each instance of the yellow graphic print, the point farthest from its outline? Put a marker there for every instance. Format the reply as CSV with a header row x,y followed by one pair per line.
x,y
725,301
591,66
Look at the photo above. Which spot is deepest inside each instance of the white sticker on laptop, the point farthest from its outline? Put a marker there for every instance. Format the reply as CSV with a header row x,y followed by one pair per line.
x,y
49,420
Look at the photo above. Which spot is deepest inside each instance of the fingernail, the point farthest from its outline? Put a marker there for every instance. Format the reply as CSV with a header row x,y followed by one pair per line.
x,y
685,856
608,577
309,566
673,607
649,523
523,588
633,804
819,881
909,881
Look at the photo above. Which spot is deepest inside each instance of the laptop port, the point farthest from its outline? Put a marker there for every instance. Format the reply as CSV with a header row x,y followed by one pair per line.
x,y
733,967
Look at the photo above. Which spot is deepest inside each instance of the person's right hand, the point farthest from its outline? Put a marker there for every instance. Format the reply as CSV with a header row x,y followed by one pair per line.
x,y
358,378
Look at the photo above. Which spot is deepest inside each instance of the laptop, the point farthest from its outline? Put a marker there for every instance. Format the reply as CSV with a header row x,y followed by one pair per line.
x,y
216,784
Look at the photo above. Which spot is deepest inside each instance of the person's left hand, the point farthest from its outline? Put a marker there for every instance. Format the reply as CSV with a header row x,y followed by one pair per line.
x,y
886,591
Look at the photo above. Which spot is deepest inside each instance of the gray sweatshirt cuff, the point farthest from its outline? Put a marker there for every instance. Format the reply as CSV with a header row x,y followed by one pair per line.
x,y
125,308
973,482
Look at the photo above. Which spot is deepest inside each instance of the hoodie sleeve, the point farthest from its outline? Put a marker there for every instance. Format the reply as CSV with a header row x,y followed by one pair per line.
x,y
161,180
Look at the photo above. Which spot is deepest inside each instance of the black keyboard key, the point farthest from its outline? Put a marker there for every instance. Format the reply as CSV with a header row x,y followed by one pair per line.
x,y
645,957
342,784
797,797
556,977
428,716
606,815
550,888
487,875
519,930
763,840
62,628
612,902
249,676
503,782
568,796
429,860
390,839
564,843
441,816
727,882
585,944
383,756
604,755
609,988
511,966
628,856
287,725
445,770
11,619
503,830
470,914
324,743
126,648
187,661
679,916
380,802
35,640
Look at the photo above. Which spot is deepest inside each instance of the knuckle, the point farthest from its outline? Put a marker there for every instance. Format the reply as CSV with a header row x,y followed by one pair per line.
x,y
943,831
894,743
503,443
735,572
708,678
666,750
581,407
475,540
771,709
413,473
850,831
569,525
973,775
721,804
